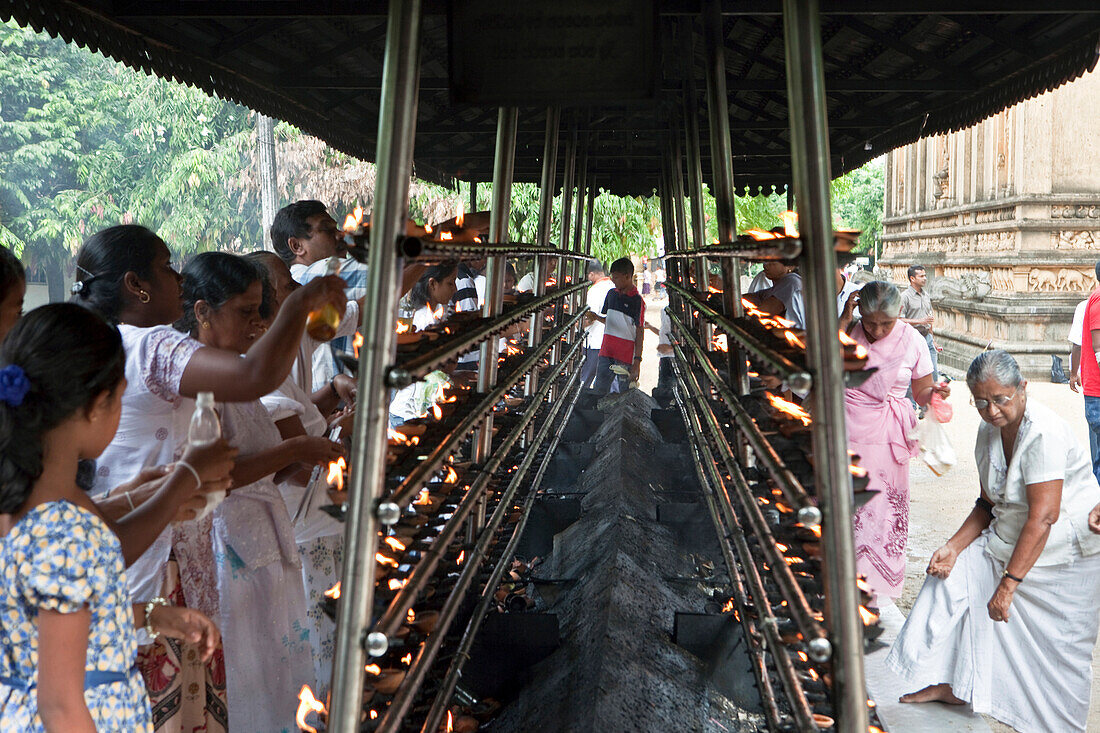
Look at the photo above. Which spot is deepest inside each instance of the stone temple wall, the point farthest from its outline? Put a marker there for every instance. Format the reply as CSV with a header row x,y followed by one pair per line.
x,y
1005,217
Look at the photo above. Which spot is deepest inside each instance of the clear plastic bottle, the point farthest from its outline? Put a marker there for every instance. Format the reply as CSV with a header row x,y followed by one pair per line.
x,y
206,429
322,323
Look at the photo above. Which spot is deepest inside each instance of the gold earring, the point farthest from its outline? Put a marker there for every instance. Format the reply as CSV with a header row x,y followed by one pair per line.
x,y
143,296
206,324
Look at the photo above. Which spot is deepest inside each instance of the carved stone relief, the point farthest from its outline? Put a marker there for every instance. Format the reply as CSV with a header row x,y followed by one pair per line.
x,y
1075,212
1064,280
1003,214
1002,280
1076,240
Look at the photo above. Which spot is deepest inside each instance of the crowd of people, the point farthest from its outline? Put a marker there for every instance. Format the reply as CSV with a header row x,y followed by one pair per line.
x,y
159,582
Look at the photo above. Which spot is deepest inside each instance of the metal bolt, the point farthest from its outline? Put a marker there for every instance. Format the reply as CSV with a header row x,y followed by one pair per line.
x,y
377,644
819,649
800,382
388,513
809,516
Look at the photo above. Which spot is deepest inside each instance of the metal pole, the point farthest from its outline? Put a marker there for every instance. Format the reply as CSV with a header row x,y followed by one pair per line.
x,y
269,196
396,130
590,210
695,191
563,242
473,196
546,217
503,163
721,162
578,266
810,164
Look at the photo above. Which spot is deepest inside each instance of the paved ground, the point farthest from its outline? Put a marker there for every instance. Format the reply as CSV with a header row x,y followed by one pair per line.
x,y
938,507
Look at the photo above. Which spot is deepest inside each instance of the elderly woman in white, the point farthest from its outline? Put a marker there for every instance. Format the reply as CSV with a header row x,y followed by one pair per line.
x,y
1008,617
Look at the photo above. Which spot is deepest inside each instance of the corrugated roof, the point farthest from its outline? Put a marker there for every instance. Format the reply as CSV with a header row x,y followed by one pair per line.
x,y
891,77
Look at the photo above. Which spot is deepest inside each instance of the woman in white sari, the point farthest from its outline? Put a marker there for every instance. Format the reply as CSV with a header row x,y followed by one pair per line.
x,y
1007,618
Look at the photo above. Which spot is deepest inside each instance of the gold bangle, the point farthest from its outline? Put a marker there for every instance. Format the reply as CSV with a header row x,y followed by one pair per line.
x,y
158,601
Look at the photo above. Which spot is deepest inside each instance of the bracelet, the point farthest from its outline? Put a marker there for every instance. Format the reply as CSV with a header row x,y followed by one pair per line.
x,y
128,499
637,358
158,601
984,505
189,467
1010,576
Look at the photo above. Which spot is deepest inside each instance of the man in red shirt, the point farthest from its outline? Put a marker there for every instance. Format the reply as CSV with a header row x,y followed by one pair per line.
x,y
1090,372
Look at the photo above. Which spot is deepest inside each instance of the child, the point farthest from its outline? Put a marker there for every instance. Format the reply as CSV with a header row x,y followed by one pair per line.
x,y
69,643
13,288
621,348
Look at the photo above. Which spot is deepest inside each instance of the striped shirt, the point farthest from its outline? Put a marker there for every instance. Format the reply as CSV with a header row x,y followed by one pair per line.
x,y
468,299
623,315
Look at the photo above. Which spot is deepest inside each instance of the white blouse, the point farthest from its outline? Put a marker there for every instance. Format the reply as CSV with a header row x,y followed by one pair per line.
x,y
1046,450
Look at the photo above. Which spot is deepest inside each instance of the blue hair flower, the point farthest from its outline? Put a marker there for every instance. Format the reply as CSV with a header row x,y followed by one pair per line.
x,y
14,385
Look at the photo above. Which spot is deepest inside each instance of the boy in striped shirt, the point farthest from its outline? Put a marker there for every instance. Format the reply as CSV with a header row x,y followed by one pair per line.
x,y
623,331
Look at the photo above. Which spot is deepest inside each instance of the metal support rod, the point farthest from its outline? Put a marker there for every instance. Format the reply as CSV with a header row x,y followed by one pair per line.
x,y
721,163
473,196
695,192
546,218
566,212
577,266
396,130
590,210
507,124
808,117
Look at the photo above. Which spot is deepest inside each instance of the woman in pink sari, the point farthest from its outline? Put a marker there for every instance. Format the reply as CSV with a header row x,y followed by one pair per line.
x,y
881,429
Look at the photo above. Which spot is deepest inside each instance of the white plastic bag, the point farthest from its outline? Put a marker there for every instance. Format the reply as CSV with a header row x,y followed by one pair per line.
x,y
935,447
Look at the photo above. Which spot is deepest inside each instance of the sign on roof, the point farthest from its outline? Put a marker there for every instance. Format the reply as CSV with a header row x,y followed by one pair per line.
x,y
508,52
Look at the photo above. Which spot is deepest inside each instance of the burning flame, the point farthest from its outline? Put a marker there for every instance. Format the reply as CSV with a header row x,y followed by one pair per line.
x,y
407,659
373,714
401,327
451,477
307,704
395,543
761,235
789,408
396,584
461,215
334,591
790,223
382,559
793,340
868,617
863,585
350,222
861,352
803,656
357,343
857,471
437,412
373,669
400,438
410,617
446,236
423,498
450,722
845,339
437,314
720,342
461,557
781,546
336,473
728,607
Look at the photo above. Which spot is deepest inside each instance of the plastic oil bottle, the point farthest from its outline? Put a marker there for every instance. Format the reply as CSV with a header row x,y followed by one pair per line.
x,y
205,429
321,324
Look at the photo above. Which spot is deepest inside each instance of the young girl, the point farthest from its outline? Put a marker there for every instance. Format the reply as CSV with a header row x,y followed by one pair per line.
x,y
243,561
431,294
68,648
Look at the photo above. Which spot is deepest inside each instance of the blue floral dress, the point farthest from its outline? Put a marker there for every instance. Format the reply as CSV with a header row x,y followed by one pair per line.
x,y
63,558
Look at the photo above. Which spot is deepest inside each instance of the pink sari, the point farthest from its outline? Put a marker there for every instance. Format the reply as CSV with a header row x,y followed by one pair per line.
x,y
881,429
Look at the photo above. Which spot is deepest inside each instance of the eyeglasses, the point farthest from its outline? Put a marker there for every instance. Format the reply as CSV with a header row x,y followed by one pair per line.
x,y
999,400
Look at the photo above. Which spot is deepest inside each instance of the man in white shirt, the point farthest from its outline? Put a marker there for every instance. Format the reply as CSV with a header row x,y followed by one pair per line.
x,y
597,295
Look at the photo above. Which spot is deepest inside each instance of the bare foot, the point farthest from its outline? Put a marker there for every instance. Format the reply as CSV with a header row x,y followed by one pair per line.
x,y
933,693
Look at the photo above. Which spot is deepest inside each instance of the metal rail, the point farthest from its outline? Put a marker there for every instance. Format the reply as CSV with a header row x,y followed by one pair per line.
x,y
781,365
801,612
726,527
469,636
416,367
394,615
791,487
747,248
407,490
